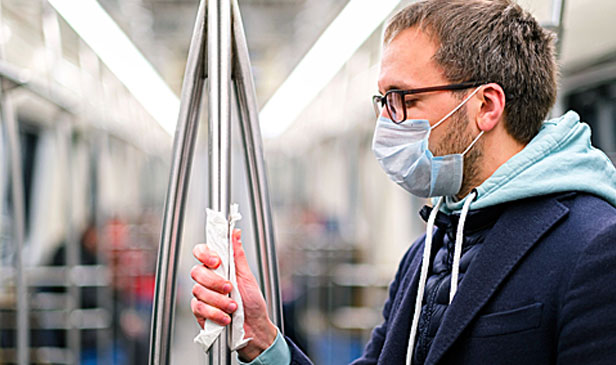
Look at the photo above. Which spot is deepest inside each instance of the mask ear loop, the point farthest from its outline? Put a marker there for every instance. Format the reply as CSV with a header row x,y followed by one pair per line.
x,y
456,108
472,143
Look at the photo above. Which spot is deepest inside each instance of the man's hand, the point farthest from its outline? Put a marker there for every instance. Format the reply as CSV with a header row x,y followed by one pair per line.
x,y
211,300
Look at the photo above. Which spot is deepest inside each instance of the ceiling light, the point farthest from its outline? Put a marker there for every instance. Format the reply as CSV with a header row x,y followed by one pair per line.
x,y
92,23
355,23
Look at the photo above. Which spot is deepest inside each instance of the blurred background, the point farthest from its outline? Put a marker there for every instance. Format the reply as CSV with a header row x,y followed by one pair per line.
x,y
89,100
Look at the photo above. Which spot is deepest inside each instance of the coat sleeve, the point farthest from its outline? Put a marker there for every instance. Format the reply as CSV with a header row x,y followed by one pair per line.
x,y
587,330
297,356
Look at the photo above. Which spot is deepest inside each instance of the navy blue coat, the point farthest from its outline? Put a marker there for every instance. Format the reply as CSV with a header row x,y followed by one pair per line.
x,y
542,290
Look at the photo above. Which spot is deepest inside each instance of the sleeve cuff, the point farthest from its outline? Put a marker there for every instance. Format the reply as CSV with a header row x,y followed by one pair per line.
x,y
277,354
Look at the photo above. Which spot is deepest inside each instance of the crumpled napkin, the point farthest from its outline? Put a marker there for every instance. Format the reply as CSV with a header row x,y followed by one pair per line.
x,y
218,238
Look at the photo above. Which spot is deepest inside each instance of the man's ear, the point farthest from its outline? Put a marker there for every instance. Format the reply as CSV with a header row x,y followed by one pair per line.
x,y
492,107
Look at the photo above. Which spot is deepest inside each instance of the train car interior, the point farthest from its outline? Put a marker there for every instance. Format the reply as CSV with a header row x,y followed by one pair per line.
x,y
110,157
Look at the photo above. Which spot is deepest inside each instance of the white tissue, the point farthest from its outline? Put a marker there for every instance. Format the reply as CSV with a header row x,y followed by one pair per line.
x,y
218,238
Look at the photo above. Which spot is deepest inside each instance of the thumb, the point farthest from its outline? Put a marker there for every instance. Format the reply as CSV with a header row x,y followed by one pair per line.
x,y
242,268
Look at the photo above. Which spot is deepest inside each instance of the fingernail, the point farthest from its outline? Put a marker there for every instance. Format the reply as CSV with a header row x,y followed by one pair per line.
x,y
212,261
226,288
227,320
231,307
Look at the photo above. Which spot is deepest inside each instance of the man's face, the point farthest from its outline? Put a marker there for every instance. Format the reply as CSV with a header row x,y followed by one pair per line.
x,y
407,64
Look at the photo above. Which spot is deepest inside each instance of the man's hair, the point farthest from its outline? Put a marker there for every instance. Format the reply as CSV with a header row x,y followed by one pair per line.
x,y
491,41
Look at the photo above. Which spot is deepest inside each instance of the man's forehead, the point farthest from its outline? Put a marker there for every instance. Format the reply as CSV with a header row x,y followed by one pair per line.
x,y
407,61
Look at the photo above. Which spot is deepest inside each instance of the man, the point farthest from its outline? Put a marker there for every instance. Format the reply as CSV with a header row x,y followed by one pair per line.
x,y
519,258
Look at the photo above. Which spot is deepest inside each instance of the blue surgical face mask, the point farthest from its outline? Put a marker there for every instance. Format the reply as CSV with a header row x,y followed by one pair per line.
x,y
402,150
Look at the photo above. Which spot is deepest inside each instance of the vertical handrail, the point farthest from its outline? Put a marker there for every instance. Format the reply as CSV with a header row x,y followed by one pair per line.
x,y
19,221
96,143
53,47
19,216
183,147
73,250
255,165
219,131
104,294
557,25
558,15
222,54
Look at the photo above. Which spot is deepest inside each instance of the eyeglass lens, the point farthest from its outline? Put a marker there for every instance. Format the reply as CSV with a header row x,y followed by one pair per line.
x,y
395,106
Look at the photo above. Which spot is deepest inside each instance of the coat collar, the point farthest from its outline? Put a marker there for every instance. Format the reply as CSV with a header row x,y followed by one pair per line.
x,y
519,228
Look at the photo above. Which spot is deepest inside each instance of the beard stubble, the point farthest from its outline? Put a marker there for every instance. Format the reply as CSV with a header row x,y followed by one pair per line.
x,y
457,138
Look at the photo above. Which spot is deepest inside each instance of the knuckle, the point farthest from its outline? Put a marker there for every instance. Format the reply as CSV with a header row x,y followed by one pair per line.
x,y
222,302
200,252
194,272
222,286
196,252
213,261
205,278
194,307
196,290
221,317
202,309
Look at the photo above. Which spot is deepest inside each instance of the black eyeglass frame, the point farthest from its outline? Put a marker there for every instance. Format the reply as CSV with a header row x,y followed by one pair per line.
x,y
382,99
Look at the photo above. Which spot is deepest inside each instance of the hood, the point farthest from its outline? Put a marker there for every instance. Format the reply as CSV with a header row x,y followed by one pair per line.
x,y
559,159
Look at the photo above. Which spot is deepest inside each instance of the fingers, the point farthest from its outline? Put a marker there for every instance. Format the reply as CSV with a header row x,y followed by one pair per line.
x,y
211,301
204,312
236,235
214,299
210,280
205,256
241,264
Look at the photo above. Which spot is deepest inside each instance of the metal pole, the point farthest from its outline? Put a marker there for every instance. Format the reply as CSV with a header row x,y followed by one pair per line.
x,y
557,25
19,220
186,131
255,166
219,71
19,217
53,47
104,294
219,136
558,14
73,251
558,10
3,193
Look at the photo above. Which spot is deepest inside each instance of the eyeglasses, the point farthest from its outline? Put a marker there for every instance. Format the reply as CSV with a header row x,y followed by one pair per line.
x,y
396,102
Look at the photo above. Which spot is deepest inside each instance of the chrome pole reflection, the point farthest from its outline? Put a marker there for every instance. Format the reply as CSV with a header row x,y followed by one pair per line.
x,y
255,166
183,147
219,131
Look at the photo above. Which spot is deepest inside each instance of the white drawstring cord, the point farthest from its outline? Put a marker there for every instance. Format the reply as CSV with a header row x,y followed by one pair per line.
x,y
457,252
423,277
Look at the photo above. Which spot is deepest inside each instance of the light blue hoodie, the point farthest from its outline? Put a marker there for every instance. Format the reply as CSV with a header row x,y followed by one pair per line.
x,y
559,159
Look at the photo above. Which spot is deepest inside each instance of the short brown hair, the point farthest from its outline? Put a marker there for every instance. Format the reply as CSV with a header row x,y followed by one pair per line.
x,y
492,41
